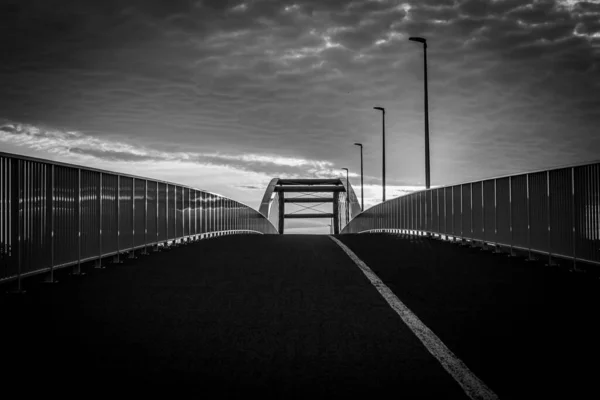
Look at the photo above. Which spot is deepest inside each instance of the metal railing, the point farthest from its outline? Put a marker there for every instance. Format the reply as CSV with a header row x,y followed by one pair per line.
x,y
554,212
54,215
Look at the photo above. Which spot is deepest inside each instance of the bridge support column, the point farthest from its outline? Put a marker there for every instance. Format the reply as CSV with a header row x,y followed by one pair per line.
x,y
281,212
336,213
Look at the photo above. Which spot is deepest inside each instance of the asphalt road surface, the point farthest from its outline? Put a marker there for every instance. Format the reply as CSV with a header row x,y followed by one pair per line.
x,y
292,316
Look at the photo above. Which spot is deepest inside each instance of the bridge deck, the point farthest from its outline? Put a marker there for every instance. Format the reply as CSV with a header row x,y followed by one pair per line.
x,y
293,315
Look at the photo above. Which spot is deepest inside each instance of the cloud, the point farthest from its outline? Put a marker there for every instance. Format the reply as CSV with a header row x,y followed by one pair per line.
x,y
80,148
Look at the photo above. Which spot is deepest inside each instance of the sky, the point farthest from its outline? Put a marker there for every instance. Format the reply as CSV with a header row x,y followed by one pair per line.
x,y
225,95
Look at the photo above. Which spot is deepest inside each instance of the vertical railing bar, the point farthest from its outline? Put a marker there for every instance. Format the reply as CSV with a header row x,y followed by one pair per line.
x,y
157,215
167,211
100,205
52,216
496,214
483,215
594,206
594,209
453,227
118,218
8,208
175,208
528,218
426,212
471,201
193,207
133,218
27,212
78,270
145,216
11,206
548,216
24,215
26,243
462,222
3,219
510,215
573,220
19,221
4,241
445,212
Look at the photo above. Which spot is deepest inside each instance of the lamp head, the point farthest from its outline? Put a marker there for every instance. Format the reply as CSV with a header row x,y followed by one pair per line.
x,y
379,108
345,169
358,144
418,39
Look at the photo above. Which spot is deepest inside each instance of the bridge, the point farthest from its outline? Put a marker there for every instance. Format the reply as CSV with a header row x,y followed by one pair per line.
x,y
485,289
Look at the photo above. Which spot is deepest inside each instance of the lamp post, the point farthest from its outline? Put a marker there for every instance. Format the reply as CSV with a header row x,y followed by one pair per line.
x,y
362,193
427,171
347,197
383,161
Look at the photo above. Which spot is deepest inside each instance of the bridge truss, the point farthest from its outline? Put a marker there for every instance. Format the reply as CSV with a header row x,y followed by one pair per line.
x,y
309,194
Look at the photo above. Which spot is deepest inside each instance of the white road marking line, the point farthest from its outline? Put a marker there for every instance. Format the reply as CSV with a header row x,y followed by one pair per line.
x,y
471,384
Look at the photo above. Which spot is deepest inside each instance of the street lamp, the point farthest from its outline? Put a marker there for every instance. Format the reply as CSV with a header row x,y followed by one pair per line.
x,y
347,197
362,193
427,172
383,128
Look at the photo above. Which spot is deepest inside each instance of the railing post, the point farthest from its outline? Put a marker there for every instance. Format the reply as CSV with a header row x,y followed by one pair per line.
x,y
471,200
510,216
496,248
145,217
132,252
52,207
529,256
573,224
167,212
549,214
175,212
157,219
98,263
195,215
118,257
77,269
452,202
445,215
462,222
483,215
20,221
427,212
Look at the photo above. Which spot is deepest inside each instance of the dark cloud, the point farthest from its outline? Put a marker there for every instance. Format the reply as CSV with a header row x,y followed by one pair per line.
x,y
9,129
252,187
111,155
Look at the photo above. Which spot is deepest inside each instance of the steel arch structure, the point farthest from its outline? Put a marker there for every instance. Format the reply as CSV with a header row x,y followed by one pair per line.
x,y
345,204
